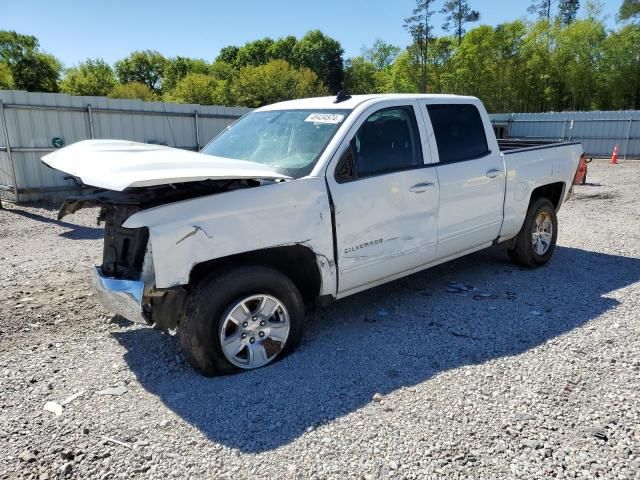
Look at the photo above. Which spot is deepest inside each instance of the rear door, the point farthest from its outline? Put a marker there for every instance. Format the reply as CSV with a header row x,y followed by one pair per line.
x,y
471,176
385,196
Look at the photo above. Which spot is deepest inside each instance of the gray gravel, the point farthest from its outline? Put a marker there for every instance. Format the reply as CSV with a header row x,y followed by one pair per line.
x,y
472,369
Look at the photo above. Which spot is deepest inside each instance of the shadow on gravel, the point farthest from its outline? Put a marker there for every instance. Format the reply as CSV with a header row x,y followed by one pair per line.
x,y
394,336
76,232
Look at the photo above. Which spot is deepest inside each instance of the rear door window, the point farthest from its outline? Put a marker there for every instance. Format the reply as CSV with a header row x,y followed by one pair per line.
x,y
459,132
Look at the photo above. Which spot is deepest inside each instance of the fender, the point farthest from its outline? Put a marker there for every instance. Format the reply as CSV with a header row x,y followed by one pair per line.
x,y
193,231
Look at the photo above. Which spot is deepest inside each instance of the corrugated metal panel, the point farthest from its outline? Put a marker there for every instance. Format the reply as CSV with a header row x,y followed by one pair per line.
x,y
6,168
598,131
31,129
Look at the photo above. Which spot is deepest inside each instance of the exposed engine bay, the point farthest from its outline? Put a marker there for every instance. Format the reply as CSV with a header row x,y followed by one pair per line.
x,y
126,250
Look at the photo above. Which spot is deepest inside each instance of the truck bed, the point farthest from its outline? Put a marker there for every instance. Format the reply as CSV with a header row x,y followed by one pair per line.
x,y
513,145
530,164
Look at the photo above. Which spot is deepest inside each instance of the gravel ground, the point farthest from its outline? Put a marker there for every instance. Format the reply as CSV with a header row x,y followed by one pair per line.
x,y
474,369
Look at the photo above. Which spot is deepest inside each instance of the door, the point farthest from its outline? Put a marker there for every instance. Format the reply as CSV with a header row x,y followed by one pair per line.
x,y
471,178
385,197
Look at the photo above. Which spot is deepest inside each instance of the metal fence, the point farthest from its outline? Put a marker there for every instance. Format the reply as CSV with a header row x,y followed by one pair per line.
x,y
33,124
599,132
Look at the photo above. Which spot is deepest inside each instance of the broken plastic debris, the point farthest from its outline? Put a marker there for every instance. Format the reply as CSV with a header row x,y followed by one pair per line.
x,y
54,408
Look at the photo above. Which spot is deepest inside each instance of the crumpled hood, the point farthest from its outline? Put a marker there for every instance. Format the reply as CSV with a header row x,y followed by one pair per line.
x,y
120,164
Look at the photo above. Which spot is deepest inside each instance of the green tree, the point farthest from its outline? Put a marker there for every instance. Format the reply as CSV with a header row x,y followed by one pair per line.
x,y
198,88
457,14
6,80
441,78
360,76
31,69
577,63
322,55
421,30
284,49
510,58
620,87
629,10
91,77
228,54
475,65
381,54
535,87
568,10
145,66
221,70
254,53
404,75
179,67
133,90
275,81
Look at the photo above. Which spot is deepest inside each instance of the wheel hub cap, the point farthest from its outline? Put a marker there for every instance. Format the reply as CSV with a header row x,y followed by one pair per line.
x,y
542,233
254,331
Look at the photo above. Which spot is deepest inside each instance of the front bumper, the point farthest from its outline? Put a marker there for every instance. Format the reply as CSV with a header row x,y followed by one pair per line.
x,y
119,296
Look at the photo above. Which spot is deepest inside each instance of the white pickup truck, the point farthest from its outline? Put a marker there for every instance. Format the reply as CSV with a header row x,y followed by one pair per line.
x,y
307,201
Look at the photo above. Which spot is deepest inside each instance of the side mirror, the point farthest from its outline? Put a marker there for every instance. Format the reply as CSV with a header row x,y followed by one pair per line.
x,y
345,171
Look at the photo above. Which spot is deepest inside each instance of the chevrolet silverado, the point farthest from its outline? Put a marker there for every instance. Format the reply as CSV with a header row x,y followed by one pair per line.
x,y
304,202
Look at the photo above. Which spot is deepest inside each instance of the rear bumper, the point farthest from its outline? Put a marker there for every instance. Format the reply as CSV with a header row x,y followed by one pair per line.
x,y
119,296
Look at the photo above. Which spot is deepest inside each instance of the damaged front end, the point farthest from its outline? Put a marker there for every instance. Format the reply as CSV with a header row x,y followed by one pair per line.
x,y
125,281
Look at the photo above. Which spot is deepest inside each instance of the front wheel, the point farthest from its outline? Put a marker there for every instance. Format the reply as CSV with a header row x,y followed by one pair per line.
x,y
242,319
536,241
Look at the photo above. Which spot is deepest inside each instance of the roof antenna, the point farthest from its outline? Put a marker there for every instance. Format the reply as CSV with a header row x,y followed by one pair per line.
x,y
342,96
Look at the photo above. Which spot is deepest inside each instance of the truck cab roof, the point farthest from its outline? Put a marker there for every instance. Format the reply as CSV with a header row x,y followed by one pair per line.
x,y
329,103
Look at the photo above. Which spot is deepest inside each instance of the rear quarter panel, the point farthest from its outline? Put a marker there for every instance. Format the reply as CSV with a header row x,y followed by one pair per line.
x,y
529,169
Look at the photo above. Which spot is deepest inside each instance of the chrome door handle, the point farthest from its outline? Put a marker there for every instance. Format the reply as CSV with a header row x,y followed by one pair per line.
x,y
421,187
493,173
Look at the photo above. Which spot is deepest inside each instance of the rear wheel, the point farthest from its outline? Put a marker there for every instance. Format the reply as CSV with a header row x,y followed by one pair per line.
x,y
242,319
536,241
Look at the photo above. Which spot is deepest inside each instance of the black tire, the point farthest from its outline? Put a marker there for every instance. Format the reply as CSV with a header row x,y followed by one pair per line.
x,y
523,253
208,303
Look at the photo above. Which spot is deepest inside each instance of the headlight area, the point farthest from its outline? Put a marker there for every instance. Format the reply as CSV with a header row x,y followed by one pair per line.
x,y
138,299
127,280
160,307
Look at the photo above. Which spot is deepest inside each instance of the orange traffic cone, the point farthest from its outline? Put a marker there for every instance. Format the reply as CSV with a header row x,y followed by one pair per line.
x,y
614,157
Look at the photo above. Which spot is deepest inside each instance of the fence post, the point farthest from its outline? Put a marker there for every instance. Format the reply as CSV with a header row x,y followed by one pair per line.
x,y
197,128
9,155
570,130
626,143
90,121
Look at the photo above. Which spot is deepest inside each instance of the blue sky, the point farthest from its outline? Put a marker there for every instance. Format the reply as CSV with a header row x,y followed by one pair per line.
x,y
75,30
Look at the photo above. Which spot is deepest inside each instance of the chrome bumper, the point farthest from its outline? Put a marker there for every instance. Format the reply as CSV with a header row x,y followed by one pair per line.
x,y
121,297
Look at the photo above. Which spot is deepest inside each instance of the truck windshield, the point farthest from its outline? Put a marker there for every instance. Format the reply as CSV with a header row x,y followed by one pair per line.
x,y
290,141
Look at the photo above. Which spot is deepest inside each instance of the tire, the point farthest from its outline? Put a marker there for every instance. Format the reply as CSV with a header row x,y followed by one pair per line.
x,y
523,252
210,309
584,179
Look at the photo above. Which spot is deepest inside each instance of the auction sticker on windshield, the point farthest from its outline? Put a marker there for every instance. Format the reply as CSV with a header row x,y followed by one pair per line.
x,y
325,118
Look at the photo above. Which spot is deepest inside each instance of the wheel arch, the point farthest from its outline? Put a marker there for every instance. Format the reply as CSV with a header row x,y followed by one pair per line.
x,y
298,262
553,191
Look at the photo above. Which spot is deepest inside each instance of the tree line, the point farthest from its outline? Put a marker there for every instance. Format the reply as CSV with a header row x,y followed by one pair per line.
x,y
559,61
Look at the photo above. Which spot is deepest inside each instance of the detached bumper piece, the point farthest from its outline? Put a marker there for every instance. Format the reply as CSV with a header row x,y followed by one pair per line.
x,y
119,296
